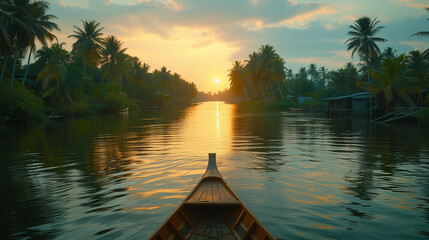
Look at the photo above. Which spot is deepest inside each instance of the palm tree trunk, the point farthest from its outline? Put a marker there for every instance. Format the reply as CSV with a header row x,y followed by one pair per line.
x,y
83,80
280,90
107,88
28,65
58,96
262,89
272,91
14,66
244,89
370,94
265,86
4,68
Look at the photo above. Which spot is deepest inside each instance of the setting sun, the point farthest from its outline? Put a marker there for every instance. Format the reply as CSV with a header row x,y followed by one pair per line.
x,y
217,80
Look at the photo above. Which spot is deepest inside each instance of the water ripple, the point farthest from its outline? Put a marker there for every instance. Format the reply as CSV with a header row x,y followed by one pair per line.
x,y
302,175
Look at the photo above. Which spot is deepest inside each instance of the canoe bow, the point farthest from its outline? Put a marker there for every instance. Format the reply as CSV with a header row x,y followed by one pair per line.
x,y
212,211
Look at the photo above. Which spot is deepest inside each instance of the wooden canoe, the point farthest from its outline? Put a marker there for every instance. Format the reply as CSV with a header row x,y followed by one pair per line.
x,y
56,116
212,211
297,109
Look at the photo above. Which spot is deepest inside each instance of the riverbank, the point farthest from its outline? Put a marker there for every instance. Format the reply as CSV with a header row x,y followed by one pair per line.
x,y
422,118
20,105
260,105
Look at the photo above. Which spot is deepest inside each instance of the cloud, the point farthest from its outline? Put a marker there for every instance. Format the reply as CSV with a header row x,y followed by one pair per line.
x,y
234,23
412,3
187,13
299,30
421,45
302,19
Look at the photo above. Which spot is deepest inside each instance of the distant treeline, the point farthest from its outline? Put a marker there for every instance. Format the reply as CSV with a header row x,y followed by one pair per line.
x,y
397,80
224,95
96,76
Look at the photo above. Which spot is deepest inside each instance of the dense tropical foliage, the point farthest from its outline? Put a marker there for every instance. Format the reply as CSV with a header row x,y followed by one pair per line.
x,y
396,81
96,76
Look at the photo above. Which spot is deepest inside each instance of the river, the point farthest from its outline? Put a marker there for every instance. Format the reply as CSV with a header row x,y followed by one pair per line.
x,y
304,176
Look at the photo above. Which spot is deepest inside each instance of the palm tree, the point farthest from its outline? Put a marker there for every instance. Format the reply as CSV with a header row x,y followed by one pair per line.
x,y
374,62
52,72
7,7
236,75
163,80
364,42
302,74
177,86
312,71
393,80
7,19
88,45
138,73
40,25
417,61
55,70
345,78
4,53
323,72
113,60
58,55
422,33
43,55
15,29
289,74
251,69
278,74
266,56
300,85
389,53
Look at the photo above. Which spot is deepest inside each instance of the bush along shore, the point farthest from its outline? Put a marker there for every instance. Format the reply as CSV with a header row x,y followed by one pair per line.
x,y
96,76
396,81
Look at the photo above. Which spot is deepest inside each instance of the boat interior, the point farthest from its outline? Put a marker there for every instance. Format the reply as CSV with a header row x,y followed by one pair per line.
x,y
200,222
212,211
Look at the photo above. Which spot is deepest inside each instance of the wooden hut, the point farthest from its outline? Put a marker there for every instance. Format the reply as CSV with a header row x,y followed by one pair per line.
x,y
354,104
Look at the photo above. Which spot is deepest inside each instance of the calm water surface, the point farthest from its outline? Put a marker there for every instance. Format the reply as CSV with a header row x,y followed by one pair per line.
x,y
304,176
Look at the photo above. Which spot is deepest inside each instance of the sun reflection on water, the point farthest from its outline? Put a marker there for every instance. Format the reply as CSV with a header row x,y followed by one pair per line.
x,y
301,175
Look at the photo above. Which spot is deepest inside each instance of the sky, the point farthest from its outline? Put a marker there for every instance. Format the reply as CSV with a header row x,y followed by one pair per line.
x,y
199,39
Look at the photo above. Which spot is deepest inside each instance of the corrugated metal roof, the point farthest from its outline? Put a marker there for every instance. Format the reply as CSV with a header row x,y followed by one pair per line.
x,y
356,95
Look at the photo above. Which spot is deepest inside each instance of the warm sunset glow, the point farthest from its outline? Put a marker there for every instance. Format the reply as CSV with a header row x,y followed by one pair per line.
x,y
199,40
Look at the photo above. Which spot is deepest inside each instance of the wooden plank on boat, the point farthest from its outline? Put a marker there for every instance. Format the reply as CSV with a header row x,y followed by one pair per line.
x,y
212,191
